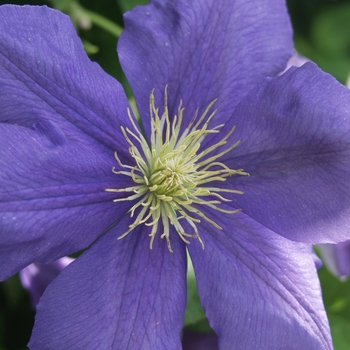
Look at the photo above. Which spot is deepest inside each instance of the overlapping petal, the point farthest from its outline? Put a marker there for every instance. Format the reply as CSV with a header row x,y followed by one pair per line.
x,y
295,144
60,124
204,50
336,257
258,289
37,276
53,198
135,297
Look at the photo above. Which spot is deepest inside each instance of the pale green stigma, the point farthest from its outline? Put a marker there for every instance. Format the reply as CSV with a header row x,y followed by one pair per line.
x,y
171,175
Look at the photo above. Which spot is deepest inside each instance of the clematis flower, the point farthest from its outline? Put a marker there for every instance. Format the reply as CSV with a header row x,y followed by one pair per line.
x,y
245,177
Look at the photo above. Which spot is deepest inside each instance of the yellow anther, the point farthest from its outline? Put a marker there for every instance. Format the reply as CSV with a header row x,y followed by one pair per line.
x,y
169,174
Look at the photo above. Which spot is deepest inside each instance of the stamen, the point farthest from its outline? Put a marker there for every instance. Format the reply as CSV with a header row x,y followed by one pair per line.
x,y
169,173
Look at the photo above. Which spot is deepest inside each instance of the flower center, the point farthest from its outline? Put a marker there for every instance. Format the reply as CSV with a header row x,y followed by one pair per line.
x,y
171,175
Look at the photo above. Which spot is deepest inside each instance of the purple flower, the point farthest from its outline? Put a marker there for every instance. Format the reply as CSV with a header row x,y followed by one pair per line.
x,y
336,257
64,189
37,276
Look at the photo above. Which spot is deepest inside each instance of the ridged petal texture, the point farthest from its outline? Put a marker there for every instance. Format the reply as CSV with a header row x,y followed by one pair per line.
x,y
60,120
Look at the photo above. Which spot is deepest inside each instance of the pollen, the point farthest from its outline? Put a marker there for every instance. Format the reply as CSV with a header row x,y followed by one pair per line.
x,y
172,173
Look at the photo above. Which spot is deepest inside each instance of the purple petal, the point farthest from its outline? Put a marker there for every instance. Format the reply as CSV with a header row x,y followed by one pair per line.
x,y
317,260
44,66
60,116
296,60
53,198
37,276
258,289
118,295
295,143
203,50
336,257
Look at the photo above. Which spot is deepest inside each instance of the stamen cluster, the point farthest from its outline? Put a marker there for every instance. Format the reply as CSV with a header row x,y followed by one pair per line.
x,y
171,175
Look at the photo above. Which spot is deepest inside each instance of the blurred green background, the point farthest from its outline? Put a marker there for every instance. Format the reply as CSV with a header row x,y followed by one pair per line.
x,y
322,33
